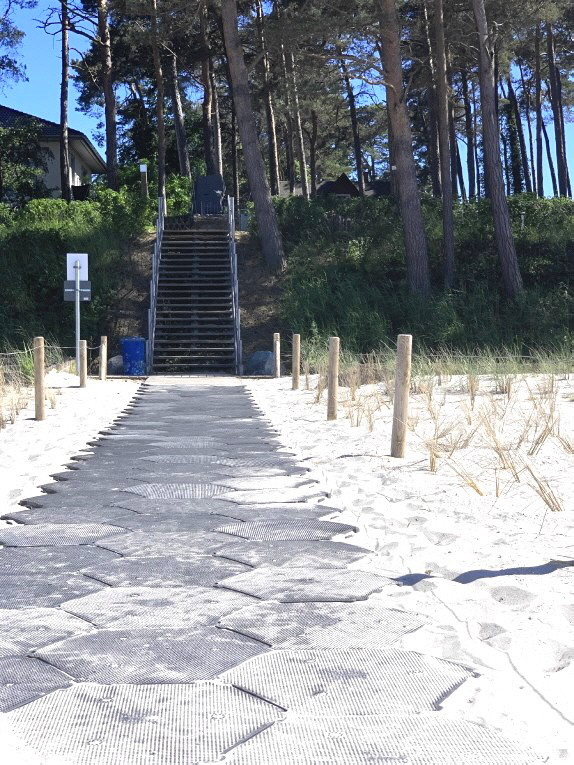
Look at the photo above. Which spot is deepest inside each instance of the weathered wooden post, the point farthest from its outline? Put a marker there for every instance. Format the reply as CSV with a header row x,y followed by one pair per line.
x,y
402,387
276,354
103,357
296,361
39,390
83,363
333,378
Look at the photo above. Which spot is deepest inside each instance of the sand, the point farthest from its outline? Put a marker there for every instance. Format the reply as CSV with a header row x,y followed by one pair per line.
x,y
30,451
477,548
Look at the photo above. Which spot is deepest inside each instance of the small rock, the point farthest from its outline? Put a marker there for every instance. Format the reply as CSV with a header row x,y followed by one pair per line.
x,y
115,365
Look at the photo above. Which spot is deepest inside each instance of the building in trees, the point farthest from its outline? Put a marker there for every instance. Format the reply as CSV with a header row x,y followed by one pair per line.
x,y
85,161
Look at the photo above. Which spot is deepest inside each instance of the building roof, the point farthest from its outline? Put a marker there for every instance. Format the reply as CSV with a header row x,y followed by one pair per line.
x,y
50,131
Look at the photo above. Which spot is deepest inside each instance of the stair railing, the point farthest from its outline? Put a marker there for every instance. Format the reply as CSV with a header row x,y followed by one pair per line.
x,y
234,286
156,258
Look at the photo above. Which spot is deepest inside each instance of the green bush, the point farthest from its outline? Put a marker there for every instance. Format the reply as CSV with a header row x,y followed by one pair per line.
x,y
33,244
346,274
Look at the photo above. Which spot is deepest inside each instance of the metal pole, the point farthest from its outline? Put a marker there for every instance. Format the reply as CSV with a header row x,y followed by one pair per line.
x,y
77,269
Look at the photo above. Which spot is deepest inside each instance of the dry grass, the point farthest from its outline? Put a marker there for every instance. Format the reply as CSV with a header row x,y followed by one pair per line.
x,y
17,379
481,417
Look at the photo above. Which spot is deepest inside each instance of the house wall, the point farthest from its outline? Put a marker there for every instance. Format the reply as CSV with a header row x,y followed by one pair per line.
x,y
78,171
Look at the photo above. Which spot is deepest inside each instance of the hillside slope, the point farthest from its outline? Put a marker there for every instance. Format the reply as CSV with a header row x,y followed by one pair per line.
x,y
259,296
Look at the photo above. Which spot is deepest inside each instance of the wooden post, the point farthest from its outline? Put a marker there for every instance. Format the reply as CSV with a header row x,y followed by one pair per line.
x,y
103,357
333,378
296,361
402,387
39,391
83,363
276,355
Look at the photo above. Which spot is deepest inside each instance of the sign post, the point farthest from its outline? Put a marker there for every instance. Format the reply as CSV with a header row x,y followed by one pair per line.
x,y
77,288
143,180
77,269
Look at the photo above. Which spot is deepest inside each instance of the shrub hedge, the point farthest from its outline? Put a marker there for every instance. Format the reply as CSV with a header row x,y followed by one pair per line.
x,y
346,274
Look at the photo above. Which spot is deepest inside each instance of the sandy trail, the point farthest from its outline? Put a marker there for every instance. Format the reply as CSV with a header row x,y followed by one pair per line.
x,y
494,570
30,451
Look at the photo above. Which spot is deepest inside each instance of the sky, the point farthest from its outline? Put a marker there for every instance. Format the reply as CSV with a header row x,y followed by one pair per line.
x,y
40,95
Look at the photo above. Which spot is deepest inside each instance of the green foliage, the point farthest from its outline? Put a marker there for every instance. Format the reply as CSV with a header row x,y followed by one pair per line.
x,y
346,275
33,243
178,193
22,163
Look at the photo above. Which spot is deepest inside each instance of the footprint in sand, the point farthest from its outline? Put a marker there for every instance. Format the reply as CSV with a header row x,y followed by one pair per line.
x,y
513,597
490,630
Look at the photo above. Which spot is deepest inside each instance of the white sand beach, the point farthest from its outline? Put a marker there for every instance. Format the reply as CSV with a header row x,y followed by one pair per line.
x,y
461,520
482,553
30,451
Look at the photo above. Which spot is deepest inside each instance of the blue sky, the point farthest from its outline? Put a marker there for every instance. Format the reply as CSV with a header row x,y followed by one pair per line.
x,y
41,94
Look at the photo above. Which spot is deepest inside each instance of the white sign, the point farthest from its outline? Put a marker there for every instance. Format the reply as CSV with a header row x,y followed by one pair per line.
x,y
71,260
143,168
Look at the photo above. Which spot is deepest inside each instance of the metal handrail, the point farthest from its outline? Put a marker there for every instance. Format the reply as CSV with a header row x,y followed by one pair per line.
x,y
154,283
234,286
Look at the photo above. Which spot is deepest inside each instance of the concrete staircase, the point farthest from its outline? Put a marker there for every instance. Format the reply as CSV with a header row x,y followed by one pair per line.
x,y
196,314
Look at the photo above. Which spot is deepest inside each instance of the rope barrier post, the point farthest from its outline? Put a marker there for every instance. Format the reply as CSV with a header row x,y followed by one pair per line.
x,y
83,363
402,387
103,357
39,389
276,355
296,361
333,378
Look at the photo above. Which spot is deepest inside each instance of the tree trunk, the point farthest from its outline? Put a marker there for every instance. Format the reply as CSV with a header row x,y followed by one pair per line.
x,y
234,154
216,123
431,99
539,118
513,144
354,125
563,128
521,140
528,103
469,133
179,122
511,277
207,105
299,140
550,160
313,153
289,152
65,170
479,173
267,224
418,275
109,96
460,175
159,104
555,102
451,132
506,164
444,146
273,152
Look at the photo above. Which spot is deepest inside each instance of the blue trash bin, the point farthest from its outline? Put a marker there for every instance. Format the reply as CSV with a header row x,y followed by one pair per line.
x,y
133,355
